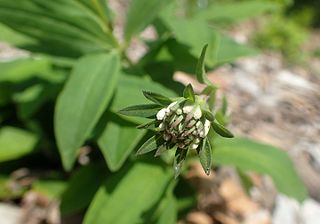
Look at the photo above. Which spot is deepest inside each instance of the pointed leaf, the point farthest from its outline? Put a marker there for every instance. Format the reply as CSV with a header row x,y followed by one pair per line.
x,y
151,144
138,19
160,150
82,101
208,115
205,156
218,128
188,93
179,158
144,110
157,98
150,126
200,69
249,155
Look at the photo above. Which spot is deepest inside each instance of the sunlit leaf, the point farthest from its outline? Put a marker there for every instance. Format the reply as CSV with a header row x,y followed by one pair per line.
x,y
83,100
248,155
189,93
144,110
136,189
218,128
157,98
205,156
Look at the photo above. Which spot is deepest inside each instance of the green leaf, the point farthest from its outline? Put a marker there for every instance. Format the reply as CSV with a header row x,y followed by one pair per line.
x,y
150,125
140,14
200,69
53,189
66,28
208,115
82,187
15,143
82,102
218,128
205,156
157,98
151,144
188,93
144,110
117,141
134,190
132,86
248,155
169,211
179,158
234,12
195,31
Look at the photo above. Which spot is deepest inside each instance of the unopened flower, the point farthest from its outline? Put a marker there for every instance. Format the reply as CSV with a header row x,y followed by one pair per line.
x,y
182,124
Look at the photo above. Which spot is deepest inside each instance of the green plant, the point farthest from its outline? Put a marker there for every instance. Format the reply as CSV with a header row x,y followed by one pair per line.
x,y
67,94
283,35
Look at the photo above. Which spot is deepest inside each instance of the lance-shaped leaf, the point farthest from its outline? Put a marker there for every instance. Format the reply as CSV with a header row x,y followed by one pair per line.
x,y
205,156
144,110
188,93
179,158
221,130
157,98
208,115
151,144
150,126
82,101
200,69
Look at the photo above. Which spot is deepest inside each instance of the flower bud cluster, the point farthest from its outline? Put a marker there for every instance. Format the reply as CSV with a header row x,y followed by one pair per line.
x,y
182,125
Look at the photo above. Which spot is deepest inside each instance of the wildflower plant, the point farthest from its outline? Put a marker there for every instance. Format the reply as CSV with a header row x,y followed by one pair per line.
x,y
182,123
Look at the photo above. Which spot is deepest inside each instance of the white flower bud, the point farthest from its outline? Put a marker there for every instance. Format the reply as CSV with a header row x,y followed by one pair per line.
x,y
161,114
179,111
197,140
197,113
194,146
187,109
206,127
161,126
172,106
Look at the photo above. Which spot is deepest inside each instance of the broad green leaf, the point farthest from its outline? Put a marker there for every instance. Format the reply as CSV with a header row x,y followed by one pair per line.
x,y
151,144
218,128
144,110
157,98
53,189
82,187
140,14
129,92
66,28
15,142
128,195
205,156
248,155
189,93
117,141
82,101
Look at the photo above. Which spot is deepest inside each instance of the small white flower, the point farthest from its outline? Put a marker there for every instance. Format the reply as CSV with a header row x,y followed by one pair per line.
x,y
197,140
161,126
179,111
201,134
197,113
172,106
206,127
187,109
161,114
